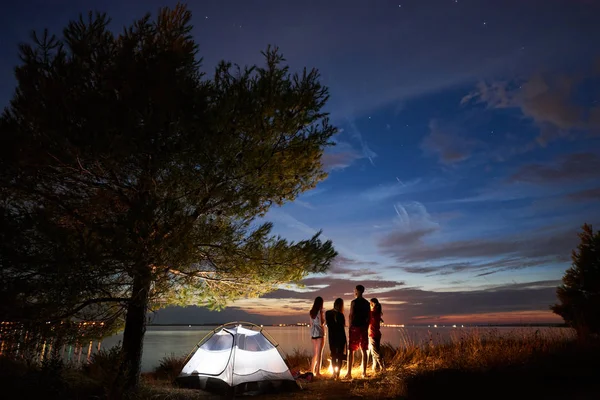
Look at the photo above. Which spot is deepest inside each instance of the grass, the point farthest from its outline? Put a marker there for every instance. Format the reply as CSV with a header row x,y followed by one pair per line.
x,y
476,362
298,360
169,368
473,365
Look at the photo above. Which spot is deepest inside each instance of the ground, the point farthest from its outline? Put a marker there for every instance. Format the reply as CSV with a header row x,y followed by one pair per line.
x,y
322,389
472,368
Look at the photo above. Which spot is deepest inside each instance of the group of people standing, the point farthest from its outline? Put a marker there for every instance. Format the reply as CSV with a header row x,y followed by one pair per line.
x,y
364,333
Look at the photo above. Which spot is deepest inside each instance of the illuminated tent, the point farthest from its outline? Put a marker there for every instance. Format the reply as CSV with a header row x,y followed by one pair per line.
x,y
239,357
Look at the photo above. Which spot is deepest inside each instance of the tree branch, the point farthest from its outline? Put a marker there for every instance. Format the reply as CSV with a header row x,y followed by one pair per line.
x,y
89,303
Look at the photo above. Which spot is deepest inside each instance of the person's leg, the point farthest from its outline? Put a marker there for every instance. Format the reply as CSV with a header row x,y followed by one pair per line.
x,y
371,352
333,364
379,358
363,364
319,361
349,363
315,350
375,346
364,346
332,354
352,340
336,363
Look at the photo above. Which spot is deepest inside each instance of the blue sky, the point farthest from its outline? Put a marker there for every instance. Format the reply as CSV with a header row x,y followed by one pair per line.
x,y
468,149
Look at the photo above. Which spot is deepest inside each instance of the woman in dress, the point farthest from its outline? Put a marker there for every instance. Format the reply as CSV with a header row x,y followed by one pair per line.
x,y
375,333
317,334
336,323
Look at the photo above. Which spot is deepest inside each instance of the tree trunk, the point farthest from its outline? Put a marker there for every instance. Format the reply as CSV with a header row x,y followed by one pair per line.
x,y
135,328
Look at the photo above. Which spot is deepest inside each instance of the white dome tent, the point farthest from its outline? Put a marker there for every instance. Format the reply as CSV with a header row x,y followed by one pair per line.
x,y
238,357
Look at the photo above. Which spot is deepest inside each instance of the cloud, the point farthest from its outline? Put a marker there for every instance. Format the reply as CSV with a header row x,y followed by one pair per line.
x,y
420,270
343,261
366,150
450,147
313,192
302,200
568,172
495,302
352,273
585,195
304,204
541,245
341,156
525,286
278,216
573,167
407,237
387,191
480,268
201,315
428,305
412,216
344,266
401,304
411,224
333,287
549,102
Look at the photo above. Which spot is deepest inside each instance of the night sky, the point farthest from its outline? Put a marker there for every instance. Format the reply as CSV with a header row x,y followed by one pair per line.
x,y
468,152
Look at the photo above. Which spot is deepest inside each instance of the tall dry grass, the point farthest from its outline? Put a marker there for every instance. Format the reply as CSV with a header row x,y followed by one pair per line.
x,y
466,349
170,367
299,360
472,350
478,349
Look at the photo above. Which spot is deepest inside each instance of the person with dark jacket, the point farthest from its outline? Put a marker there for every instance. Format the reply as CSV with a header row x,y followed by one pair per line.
x,y
336,325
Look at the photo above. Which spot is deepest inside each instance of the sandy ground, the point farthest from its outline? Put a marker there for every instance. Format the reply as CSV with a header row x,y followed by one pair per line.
x,y
323,388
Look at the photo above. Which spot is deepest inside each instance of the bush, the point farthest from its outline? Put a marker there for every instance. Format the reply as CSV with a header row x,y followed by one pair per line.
x,y
299,360
52,379
104,366
579,295
170,367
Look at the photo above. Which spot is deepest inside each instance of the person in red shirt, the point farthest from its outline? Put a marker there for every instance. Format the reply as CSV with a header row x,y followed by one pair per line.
x,y
358,331
375,333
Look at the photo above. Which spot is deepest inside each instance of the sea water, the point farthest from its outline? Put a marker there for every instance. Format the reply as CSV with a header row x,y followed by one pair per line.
x,y
163,341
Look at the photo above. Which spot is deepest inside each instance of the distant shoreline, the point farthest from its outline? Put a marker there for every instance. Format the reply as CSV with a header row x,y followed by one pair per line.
x,y
532,325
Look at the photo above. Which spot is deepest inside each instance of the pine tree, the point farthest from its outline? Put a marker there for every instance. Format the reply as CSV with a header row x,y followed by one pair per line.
x,y
579,295
142,178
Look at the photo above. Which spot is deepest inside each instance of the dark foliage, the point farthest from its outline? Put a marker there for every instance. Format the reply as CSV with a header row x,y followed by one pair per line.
x,y
579,295
130,180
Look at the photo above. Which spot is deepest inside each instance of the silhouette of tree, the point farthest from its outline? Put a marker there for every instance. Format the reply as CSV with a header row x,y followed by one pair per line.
x,y
579,295
134,181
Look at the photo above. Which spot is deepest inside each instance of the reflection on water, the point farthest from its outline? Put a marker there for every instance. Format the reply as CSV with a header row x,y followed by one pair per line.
x,y
161,341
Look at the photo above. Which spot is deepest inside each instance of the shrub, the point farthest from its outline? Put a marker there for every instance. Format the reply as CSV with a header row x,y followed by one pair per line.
x,y
579,295
170,367
298,360
104,366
